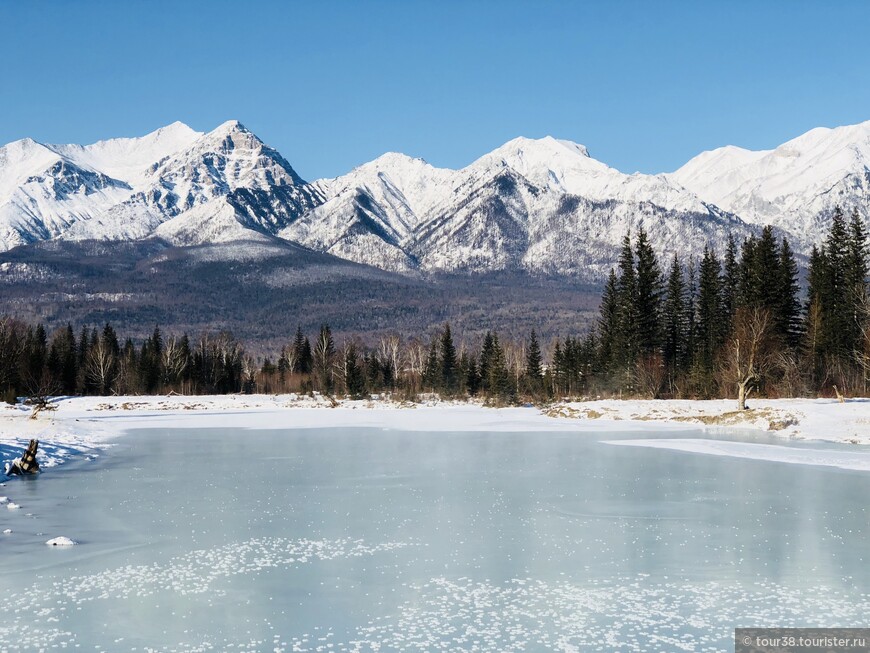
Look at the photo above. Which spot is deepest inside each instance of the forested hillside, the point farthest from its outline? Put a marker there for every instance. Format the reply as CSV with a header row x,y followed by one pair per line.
x,y
712,324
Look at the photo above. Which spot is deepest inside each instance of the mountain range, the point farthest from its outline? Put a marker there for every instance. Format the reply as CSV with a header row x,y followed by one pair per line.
x,y
532,205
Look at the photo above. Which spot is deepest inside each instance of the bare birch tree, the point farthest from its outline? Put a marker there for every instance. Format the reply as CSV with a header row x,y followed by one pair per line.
x,y
748,353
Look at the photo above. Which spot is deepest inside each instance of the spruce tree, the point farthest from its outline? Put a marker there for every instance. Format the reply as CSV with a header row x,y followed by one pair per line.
x,y
354,377
837,310
691,313
748,294
857,254
648,297
730,283
307,360
283,366
534,361
856,278
472,377
449,381
709,328
626,340
301,355
787,311
431,368
675,321
764,271
608,323
487,355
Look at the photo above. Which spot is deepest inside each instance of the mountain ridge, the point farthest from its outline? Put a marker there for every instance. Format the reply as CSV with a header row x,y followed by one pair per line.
x,y
535,205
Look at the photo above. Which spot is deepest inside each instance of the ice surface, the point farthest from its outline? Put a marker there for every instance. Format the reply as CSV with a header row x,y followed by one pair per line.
x,y
375,539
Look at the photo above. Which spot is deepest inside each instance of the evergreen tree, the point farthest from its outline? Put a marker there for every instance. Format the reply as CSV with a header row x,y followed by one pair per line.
x,y
534,361
306,366
472,377
648,297
856,279
709,327
354,377
431,369
283,366
856,261
764,271
837,310
301,353
675,321
62,361
691,313
787,312
730,283
626,336
748,293
487,355
608,323
449,380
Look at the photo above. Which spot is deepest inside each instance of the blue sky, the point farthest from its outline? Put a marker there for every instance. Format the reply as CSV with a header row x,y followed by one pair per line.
x,y
645,85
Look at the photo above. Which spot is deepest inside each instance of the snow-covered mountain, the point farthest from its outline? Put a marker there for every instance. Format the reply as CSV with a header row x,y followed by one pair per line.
x,y
542,205
794,186
124,189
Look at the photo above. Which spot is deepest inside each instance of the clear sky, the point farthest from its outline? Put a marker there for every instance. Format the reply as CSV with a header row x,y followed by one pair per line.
x,y
644,85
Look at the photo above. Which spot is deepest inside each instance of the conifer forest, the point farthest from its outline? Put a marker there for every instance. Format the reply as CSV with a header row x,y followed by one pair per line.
x,y
733,323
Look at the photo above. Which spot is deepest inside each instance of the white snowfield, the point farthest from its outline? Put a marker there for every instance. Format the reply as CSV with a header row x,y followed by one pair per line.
x,y
84,425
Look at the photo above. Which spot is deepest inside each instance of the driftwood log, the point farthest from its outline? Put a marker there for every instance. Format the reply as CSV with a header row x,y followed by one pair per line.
x,y
27,463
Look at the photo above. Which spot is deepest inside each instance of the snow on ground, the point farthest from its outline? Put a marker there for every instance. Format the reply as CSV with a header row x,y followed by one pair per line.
x,y
802,419
83,425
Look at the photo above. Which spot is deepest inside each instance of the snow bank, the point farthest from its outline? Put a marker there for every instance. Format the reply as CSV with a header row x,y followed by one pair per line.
x,y
802,419
84,425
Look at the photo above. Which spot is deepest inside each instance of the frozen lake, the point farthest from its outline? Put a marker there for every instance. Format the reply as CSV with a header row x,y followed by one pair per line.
x,y
367,540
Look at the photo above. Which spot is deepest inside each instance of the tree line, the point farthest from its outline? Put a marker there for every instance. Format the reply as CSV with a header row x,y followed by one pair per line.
x,y
713,324
733,323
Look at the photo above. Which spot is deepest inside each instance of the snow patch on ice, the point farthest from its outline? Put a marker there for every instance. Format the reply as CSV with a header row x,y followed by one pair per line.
x,y
854,460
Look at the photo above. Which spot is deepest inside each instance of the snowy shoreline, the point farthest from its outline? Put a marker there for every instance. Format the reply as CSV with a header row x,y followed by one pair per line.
x,y
84,425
